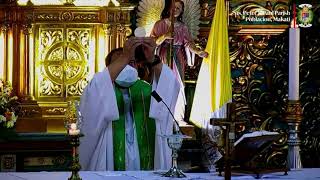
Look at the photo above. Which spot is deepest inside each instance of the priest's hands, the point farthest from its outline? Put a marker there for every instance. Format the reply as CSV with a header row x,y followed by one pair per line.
x,y
203,54
129,48
148,46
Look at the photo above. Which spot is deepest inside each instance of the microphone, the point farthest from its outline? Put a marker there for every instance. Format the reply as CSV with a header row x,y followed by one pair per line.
x,y
157,97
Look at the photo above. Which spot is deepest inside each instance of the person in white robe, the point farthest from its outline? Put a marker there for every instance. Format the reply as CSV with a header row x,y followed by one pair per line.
x,y
100,111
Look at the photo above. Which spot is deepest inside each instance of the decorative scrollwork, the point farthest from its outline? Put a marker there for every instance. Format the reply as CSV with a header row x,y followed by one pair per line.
x,y
50,36
310,96
66,16
27,112
108,29
5,26
86,17
27,28
47,17
56,110
80,37
254,64
56,71
63,67
260,87
77,88
123,30
48,88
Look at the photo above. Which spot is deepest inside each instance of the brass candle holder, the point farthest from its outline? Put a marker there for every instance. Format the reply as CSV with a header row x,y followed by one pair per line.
x,y
75,167
294,118
73,121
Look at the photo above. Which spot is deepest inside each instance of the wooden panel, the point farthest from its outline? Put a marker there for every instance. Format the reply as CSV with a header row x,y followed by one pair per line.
x,y
35,152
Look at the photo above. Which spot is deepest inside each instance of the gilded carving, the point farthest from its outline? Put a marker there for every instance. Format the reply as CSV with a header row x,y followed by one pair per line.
x,y
48,37
80,37
47,17
60,160
63,64
86,17
56,110
255,80
110,17
77,88
27,28
48,88
66,16
56,71
309,94
124,30
5,26
108,29
27,112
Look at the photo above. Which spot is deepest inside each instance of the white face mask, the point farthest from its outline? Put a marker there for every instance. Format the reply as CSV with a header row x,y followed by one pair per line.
x,y
127,77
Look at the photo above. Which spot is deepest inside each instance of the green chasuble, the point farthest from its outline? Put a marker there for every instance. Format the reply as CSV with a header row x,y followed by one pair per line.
x,y
144,126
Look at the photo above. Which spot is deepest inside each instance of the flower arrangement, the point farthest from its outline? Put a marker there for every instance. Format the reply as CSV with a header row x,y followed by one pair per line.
x,y
8,105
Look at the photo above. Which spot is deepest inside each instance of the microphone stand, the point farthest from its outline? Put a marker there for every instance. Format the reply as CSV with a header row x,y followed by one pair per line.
x,y
176,129
174,142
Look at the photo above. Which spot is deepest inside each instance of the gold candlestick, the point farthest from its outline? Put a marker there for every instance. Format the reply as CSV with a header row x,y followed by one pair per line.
x,y
73,123
75,167
294,118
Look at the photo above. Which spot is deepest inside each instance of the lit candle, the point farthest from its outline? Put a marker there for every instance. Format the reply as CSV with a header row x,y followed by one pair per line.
x,y
294,56
73,129
73,126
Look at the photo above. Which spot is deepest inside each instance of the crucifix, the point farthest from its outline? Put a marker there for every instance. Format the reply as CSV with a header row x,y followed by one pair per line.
x,y
230,124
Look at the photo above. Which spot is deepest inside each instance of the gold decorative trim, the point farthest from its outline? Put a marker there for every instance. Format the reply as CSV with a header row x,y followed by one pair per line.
x,y
56,110
79,14
38,161
293,112
5,26
29,112
8,162
66,16
86,17
27,28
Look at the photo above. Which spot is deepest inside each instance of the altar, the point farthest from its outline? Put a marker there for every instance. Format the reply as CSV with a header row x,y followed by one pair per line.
x,y
150,175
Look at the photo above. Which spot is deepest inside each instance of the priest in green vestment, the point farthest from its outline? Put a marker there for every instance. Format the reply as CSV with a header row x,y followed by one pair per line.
x,y
124,127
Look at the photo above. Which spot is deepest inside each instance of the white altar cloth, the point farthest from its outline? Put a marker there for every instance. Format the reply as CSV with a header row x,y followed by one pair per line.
x,y
304,174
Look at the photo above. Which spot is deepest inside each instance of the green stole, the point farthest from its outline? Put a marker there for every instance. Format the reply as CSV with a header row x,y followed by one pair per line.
x,y
145,127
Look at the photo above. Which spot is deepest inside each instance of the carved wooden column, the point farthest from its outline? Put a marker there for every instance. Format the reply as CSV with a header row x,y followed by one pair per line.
x,y
108,37
122,32
5,28
15,51
117,26
25,62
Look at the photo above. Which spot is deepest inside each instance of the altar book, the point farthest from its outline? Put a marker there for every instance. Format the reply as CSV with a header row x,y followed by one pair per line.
x,y
250,145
